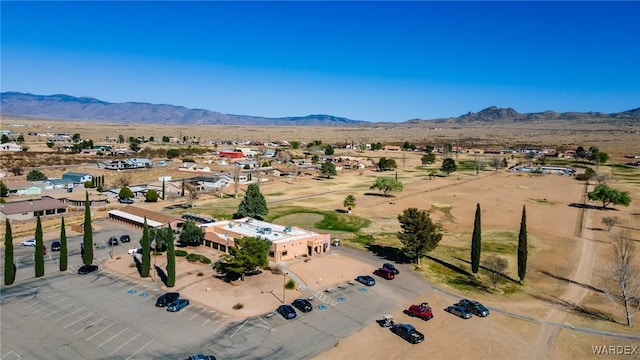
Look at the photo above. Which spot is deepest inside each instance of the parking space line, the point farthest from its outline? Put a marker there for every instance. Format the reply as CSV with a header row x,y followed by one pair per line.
x,y
9,353
96,334
143,346
82,318
113,337
220,327
121,346
59,301
198,313
66,316
204,323
40,301
62,308
88,326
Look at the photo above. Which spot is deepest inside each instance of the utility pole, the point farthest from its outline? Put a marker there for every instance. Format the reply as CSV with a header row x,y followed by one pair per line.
x,y
237,179
284,286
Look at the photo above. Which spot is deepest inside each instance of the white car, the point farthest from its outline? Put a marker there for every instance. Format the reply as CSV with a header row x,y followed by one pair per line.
x,y
133,251
30,242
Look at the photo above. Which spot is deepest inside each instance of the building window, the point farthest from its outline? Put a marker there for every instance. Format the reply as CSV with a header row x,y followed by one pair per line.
x,y
271,253
284,253
215,245
223,248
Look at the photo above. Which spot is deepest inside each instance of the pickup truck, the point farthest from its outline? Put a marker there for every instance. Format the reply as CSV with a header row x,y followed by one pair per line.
x,y
408,333
422,311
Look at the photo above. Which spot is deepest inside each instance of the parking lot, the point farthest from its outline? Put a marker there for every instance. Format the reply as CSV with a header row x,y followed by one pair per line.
x,y
108,315
100,315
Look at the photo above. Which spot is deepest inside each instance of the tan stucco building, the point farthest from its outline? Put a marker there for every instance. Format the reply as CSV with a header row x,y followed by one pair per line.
x,y
286,242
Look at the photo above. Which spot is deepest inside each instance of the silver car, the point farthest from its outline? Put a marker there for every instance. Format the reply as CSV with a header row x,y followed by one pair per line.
x,y
30,242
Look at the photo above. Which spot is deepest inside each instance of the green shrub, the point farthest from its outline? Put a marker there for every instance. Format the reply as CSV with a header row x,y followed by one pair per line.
x,y
291,284
181,253
197,257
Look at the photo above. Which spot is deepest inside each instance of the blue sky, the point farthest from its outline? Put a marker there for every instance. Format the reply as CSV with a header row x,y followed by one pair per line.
x,y
374,61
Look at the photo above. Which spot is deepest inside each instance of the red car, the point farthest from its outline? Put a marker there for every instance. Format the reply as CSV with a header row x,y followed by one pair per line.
x,y
422,311
384,273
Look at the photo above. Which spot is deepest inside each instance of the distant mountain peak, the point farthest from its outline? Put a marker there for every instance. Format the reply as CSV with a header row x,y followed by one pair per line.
x,y
61,106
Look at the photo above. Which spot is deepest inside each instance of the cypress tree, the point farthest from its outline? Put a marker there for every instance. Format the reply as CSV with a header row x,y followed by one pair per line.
x,y
87,233
39,250
63,247
522,246
476,245
145,242
171,263
9,266
163,189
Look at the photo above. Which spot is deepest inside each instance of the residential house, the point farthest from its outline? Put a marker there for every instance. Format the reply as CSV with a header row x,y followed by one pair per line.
x,y
58,184
191,166
10,147
391,148
214,181
89,152
76,177
22,187
140,162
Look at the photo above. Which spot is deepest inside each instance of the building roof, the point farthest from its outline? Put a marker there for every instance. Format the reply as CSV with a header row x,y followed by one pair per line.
x,y
254,228
19,185
136,218
81,196
58,181
42,204
74,175
150,215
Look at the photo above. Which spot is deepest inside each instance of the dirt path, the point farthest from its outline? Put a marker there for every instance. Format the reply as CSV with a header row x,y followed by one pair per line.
x,y
583,272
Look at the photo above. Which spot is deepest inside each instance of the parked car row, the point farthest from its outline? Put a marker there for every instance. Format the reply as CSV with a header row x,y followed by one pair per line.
x,y
464,309
32,242
387,271
288,312
172,301
56,245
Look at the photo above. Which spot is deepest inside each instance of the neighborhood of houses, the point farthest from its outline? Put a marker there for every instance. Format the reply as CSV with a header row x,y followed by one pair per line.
x,y
246,163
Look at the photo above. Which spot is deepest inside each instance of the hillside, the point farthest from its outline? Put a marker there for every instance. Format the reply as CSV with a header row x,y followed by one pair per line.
x,y
84,108
68,107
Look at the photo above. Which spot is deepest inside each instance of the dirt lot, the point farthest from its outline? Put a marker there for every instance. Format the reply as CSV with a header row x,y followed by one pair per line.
x,y
569,249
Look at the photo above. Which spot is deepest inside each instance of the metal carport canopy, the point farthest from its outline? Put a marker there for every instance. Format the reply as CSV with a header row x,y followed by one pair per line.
x,y
138,219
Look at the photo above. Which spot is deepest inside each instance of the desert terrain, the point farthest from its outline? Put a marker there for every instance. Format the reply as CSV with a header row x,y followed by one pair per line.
x,y
569,246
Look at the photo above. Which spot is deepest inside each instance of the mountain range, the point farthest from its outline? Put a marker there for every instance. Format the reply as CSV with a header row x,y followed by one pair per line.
x,y
66,107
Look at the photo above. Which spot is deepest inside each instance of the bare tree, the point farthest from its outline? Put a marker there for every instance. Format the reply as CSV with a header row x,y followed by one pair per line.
x,y
622,278
495,266
495,162
610,221
601,178
122,181
193,192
